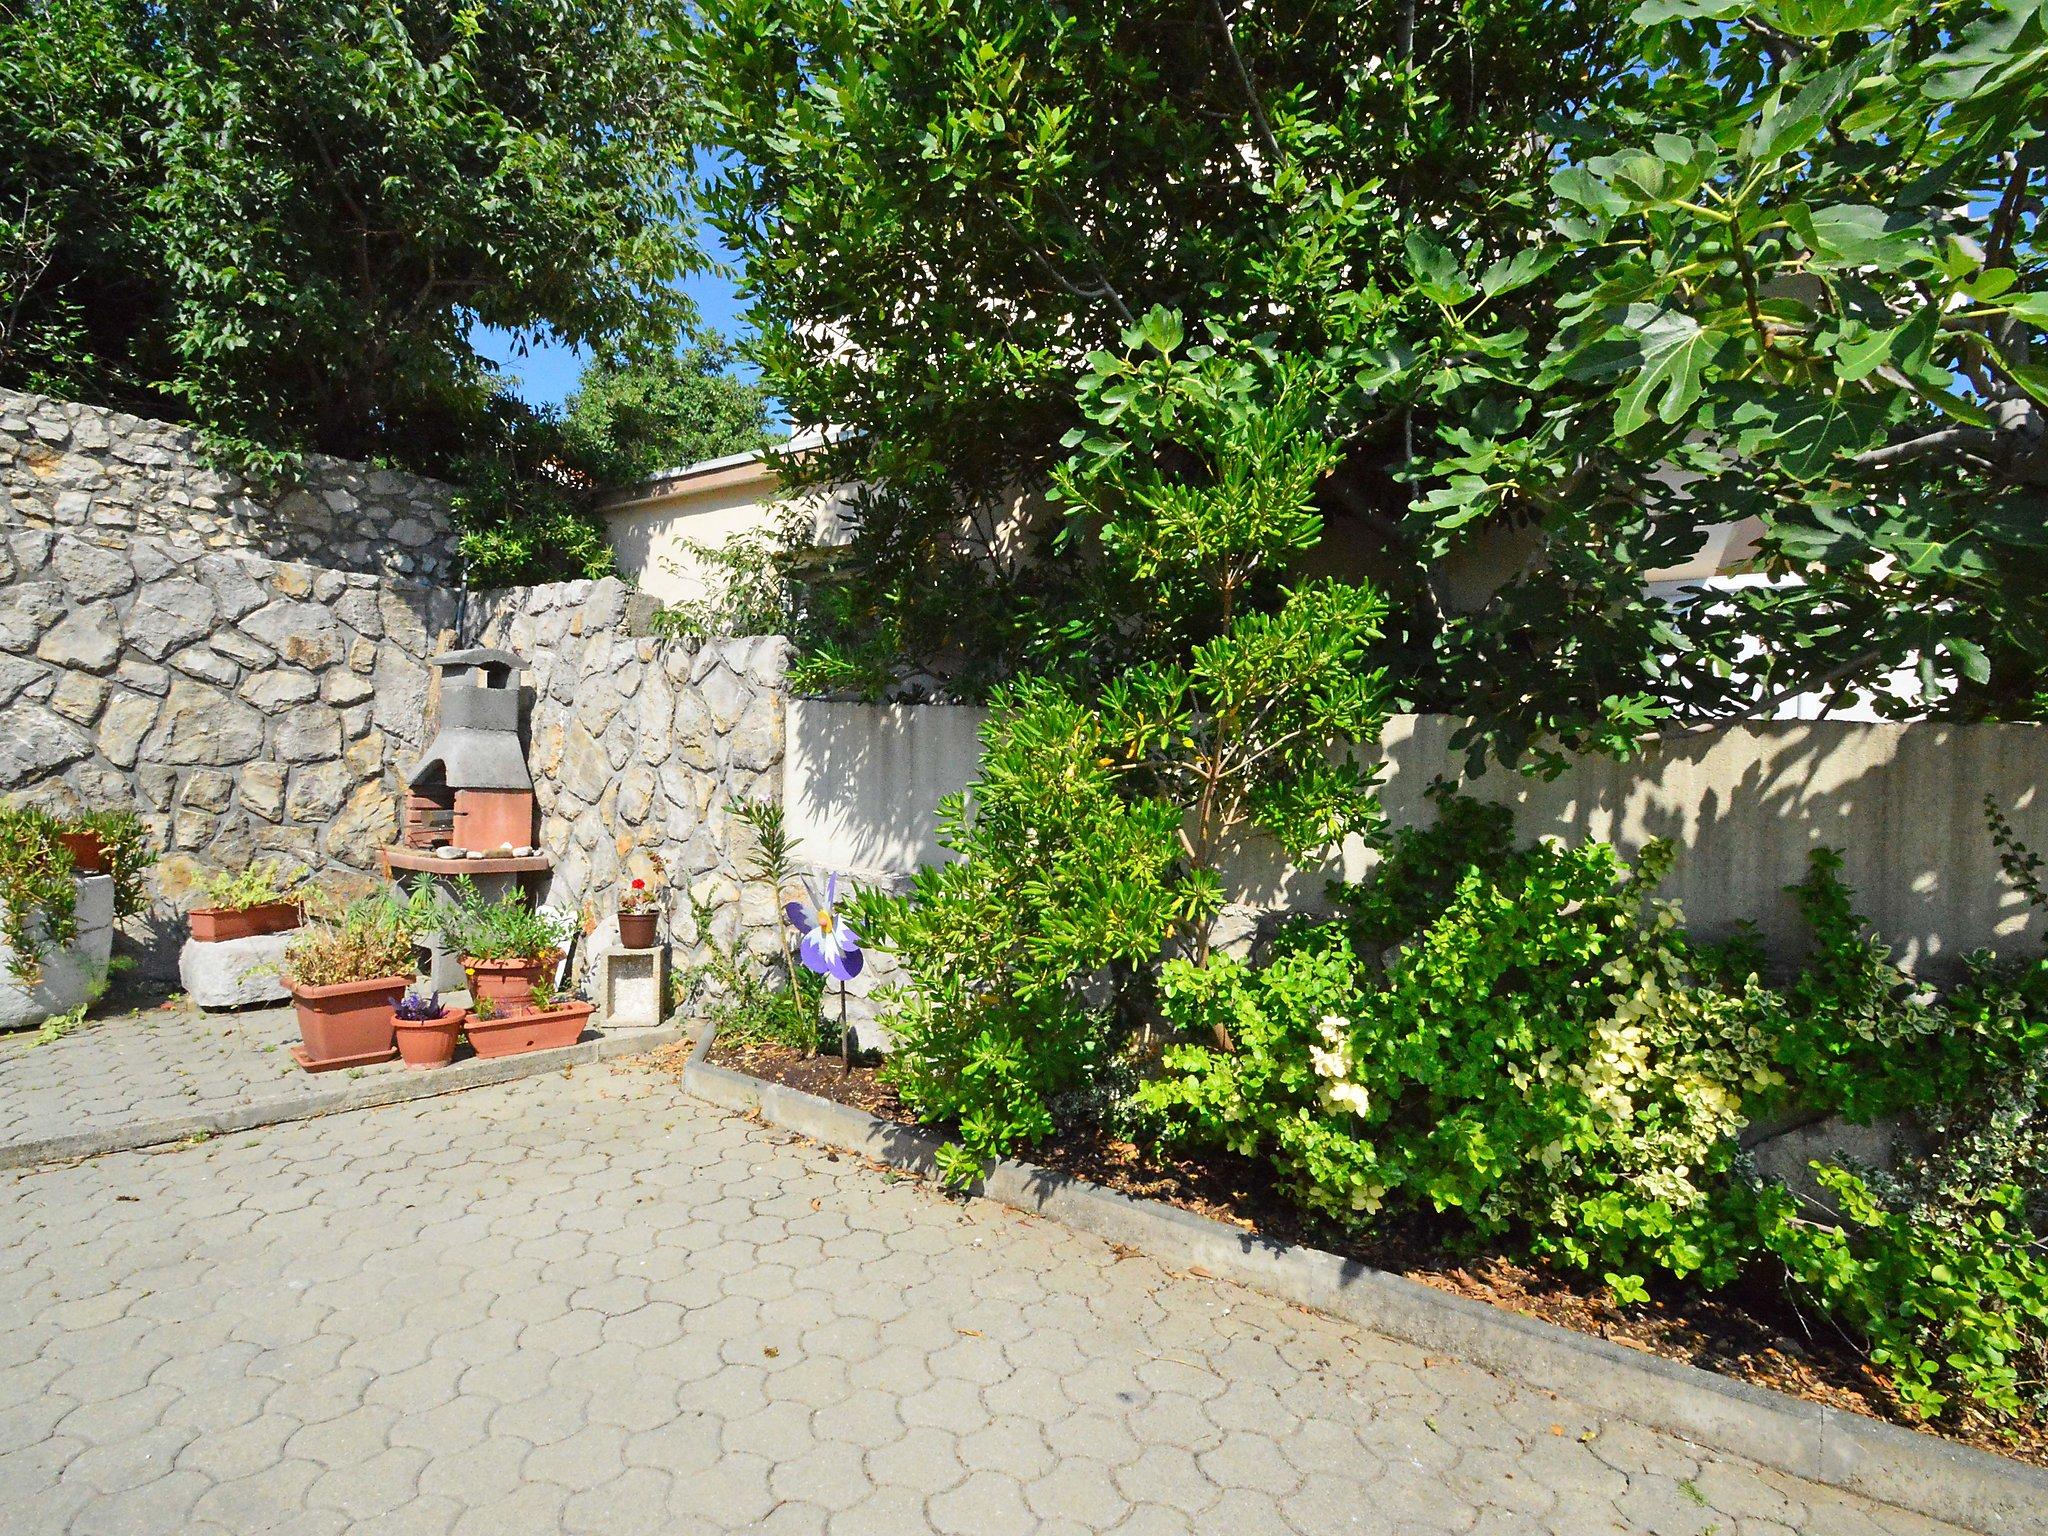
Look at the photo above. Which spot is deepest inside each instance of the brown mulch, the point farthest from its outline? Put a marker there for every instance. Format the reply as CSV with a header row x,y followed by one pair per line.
x,y
1753,1330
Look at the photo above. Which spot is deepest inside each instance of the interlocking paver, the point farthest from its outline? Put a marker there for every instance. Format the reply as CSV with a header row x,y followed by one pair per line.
x,y
588,1304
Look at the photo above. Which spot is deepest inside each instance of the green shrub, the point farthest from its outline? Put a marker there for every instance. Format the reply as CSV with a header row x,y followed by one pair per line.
x,y
509,928
1525,1038
1545,1055
1015,952
1952,1299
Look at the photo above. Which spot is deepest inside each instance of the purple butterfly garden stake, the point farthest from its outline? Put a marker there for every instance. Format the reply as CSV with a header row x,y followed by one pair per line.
x,y
830,947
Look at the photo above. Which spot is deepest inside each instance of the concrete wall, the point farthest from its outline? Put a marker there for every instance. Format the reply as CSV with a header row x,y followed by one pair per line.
x,y
1903,803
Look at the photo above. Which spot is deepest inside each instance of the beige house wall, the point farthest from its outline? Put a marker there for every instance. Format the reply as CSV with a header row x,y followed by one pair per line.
x,y
653,527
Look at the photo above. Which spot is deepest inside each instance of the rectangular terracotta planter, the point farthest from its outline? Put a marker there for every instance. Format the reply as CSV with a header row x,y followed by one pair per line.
x,y
210,925
88,853
347,1024
541,1030
508,984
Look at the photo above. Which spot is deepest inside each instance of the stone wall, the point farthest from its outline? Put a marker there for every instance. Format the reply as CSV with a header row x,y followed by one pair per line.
x,y
640,748
247,708
100,473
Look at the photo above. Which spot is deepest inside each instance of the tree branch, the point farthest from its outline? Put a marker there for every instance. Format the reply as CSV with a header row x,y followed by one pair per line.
x,y
1958,443
1244,78
1770,702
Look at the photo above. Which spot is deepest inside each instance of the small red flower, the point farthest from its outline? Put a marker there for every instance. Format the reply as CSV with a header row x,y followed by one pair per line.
x,y
639,885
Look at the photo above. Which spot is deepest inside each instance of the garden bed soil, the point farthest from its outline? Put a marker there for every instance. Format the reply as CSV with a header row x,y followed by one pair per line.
x,y
1752,1331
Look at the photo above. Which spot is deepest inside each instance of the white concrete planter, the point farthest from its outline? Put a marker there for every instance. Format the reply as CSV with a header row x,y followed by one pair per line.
x,y
69,974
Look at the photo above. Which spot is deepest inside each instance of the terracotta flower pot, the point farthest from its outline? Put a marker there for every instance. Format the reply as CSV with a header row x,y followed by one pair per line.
x,y
86,850
210,925
507,983
429,1042
636,929
347,1024
541,1029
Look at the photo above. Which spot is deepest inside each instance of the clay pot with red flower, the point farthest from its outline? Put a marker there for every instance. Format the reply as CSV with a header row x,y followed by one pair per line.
x,y
638,914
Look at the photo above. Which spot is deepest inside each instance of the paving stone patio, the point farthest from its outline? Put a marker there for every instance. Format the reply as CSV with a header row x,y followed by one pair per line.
x,y
158,1063
153,1061
587,1303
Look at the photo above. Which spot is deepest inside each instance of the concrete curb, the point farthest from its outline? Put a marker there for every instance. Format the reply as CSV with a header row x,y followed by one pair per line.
x,y
1916,1472
392,1088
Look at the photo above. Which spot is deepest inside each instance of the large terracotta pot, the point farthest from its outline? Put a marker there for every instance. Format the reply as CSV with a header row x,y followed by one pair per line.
x,y
429,1042
347,1024
210,925
541,1029
87,852
507,983
636,929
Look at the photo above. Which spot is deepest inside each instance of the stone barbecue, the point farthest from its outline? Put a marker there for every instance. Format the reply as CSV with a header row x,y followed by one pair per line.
x,y
471,789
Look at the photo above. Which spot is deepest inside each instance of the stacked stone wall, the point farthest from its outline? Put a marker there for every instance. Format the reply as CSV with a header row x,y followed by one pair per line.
x,y
252,678
100,473
247,708
641,748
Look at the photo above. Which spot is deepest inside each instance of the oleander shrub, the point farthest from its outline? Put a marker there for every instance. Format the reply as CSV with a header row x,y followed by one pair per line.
x,y
1013,952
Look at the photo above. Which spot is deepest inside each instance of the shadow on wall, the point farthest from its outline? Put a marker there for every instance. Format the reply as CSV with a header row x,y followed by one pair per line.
x,y
1904,805
862,782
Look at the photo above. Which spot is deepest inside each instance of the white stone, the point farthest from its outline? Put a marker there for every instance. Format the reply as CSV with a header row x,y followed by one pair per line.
x,y
632,986
69,976
234,973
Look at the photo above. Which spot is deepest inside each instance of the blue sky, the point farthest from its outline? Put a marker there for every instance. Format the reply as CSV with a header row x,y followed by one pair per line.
x,y
547,372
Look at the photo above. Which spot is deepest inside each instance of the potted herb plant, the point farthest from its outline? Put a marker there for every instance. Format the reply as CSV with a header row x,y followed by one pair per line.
x,y
426,1029
88,851
56,920
246,902
507,947
347,971
124,852
547,1022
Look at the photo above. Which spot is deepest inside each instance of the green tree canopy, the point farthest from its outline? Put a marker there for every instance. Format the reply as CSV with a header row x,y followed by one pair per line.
x,y
529,476
281,220
1553,290
629,420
